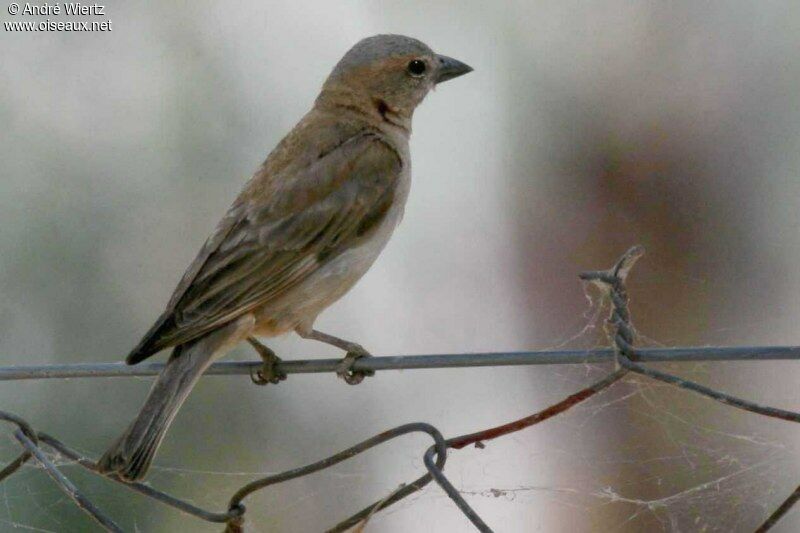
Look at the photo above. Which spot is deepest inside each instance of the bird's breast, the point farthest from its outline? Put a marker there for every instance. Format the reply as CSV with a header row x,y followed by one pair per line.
x,y
336,276
357,260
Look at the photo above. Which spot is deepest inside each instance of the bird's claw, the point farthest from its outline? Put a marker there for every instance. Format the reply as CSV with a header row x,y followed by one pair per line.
x,y
267,373
345,368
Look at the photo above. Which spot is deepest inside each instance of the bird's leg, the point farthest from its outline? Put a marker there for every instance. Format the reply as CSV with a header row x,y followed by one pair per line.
x,y
354,352
267,373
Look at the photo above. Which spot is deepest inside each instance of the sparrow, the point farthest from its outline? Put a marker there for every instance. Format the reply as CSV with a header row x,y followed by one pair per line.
x,y
304,229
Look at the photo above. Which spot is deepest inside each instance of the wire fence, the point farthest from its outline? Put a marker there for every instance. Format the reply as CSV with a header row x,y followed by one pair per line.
x,y
628,360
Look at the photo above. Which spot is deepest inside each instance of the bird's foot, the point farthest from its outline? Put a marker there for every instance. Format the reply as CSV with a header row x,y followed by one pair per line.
x,y
345,368
268,373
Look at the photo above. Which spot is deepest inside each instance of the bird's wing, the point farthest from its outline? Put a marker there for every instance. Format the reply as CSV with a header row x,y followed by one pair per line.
x,y
263,248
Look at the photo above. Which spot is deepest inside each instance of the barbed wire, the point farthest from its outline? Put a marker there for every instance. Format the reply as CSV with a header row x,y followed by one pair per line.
x,y
628,359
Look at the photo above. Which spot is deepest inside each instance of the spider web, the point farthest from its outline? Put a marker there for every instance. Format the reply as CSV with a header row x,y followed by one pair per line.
x,y
642,456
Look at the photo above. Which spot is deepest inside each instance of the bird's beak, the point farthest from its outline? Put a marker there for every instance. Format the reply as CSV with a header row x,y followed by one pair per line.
x,y
450,68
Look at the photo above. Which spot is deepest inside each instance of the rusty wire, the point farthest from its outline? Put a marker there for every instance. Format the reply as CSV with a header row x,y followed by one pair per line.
x,y
628,359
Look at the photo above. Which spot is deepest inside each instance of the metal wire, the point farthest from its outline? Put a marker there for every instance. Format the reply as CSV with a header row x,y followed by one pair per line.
x,y
613,281
453,492
414,362
65,484
627,358
439,447
141,488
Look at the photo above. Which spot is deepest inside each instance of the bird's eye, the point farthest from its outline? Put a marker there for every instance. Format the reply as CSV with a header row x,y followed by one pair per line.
x,y
416,67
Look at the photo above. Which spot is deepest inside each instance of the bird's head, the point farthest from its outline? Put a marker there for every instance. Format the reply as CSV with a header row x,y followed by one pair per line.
x,y
391,73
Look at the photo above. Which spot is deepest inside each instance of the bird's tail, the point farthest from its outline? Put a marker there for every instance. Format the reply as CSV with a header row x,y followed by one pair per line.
x,y
131,454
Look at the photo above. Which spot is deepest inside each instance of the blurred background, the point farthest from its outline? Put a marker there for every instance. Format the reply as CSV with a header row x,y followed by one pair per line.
x,y
586,127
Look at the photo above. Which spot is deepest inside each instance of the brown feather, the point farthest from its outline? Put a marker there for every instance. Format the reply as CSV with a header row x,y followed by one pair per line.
x,y
289,220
